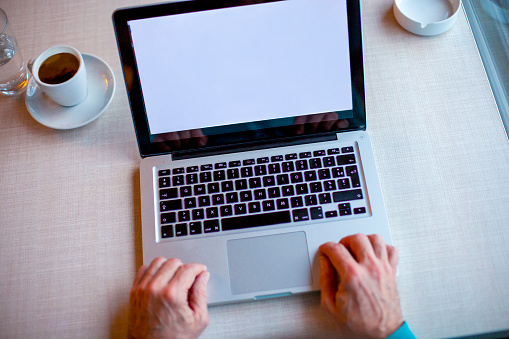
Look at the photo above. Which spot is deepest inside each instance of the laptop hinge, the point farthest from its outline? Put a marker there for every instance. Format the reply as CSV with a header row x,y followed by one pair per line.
x,y
180,155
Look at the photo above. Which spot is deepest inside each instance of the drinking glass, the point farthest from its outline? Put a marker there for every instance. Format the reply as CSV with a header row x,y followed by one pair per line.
x,y
13,73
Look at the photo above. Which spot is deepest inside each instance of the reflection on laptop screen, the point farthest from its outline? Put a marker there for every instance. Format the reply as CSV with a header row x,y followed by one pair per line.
x,y
243,64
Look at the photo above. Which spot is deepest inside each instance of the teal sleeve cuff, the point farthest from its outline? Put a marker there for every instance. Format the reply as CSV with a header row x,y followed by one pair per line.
x,y
402,333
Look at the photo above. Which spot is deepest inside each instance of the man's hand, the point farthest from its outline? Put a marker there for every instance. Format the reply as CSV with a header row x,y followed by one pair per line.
x,y
169,300
358,284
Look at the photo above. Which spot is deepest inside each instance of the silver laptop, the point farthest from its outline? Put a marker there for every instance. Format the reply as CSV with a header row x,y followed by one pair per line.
x,y
250,119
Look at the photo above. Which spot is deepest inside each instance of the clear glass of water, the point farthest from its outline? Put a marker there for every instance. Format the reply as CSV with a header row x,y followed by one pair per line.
x,y
13,72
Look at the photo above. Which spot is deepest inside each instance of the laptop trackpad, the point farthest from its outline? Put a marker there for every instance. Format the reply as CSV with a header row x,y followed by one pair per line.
x,y
268,263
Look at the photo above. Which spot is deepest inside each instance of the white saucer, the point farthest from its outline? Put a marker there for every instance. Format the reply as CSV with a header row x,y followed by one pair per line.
x,y
101,87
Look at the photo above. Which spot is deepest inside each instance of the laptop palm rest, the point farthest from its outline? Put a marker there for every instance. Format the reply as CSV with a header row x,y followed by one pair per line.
x,y
268,263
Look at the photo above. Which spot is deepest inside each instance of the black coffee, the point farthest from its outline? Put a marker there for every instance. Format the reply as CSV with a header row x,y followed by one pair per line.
x,y
58,68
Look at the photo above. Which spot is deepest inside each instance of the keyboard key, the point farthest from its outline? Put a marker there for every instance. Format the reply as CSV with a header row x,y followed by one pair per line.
x,y
241,184
291,156
304,155
302,188
319,153
189,203
324,198
263,160
192,169
195,227
260,194
248,162
315,187
233,173
274,192
347,195
210,226
316,213
288,166
164,172
217,199
180,230
219,175
164,182
227,186
324,174
296,201
240,209
246,172
333,151
352,172
310,200
331,214
315,163
301,165
254,207
213,187
226,210
329,162
198,214
257,220
346,159
186,191
359,210
276,158
255,183
345,212
212,212
245,196
282,203
178,170
232,197
205,176
347,149
260,170
338,172
310,175
274,168
343,184
234,163
191,178
184,215
168,218
207,167
170,205
199,189
296,177
300,214
204,200
168,193
166,232
268,181
329,185
268,205
287,191
220,165
282,179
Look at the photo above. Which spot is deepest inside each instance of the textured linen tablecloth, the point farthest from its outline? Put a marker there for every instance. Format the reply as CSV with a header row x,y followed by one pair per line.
x,y
70,224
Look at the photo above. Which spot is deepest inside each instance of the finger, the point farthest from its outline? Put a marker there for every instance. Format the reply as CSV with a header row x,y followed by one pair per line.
x,y
198,295
339,257
328,284
359,246
139,275
379,247
165,273
151,271
393,255
179,286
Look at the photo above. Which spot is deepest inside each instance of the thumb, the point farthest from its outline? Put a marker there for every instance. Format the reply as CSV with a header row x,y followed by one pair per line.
x,y
198,293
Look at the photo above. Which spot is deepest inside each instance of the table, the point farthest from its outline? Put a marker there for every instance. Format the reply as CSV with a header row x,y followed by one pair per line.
x,y
70,223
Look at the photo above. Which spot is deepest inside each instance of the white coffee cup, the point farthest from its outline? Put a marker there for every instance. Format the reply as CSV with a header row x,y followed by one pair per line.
x,y
64,86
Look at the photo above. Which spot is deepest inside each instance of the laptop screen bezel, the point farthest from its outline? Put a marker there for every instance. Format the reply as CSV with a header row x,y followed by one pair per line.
x,y
149,147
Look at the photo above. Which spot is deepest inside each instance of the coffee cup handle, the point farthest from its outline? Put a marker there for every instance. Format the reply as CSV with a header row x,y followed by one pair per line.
x,y
30,64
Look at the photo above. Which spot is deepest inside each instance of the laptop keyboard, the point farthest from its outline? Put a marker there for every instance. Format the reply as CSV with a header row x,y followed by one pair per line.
x,y
321,184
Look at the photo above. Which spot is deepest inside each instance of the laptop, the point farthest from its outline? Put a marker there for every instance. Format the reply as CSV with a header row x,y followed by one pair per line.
x,y
250,119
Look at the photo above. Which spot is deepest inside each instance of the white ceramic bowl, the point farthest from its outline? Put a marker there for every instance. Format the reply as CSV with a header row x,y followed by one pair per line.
x,y
426,17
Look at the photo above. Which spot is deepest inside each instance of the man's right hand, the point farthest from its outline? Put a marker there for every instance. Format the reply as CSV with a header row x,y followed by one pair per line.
x,y
358,284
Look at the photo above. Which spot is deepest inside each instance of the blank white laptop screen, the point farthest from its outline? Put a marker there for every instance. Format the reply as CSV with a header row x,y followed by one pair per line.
x,y
290,58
